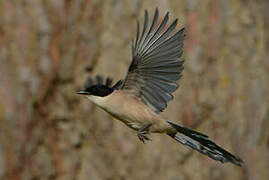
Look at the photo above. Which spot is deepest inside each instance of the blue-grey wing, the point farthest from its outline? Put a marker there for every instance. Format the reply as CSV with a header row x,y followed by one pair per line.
x,y
156,63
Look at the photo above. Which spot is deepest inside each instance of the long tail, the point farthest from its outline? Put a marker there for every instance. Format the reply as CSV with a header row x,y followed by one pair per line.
x,y
201,143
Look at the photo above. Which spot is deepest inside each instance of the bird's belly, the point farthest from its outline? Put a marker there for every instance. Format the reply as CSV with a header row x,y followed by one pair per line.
x,y
132,115
132,112
126,119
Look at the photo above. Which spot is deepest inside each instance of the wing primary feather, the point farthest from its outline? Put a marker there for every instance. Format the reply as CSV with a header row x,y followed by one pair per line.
x,y
154,22
163,65
137,33
133,48
166,76
174,41
157,32
162,62
161,38
151,29
142,38
174,52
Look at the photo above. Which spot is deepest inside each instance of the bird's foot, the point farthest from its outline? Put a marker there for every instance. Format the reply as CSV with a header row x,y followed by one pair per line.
x,y
143,132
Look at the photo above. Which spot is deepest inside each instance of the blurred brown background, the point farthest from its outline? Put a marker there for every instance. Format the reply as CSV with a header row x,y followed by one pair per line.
x,y
48,48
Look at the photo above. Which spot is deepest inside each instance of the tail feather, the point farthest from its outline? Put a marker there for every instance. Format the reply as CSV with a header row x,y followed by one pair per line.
x,y
201,143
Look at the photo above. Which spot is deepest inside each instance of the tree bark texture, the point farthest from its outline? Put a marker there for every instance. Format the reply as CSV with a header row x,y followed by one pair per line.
x,y
48,48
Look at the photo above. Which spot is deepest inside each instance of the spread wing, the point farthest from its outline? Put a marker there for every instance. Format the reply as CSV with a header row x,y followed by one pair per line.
x,y
156,64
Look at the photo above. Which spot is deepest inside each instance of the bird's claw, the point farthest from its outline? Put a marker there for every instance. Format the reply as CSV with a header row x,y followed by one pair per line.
x,y
142,136
143,132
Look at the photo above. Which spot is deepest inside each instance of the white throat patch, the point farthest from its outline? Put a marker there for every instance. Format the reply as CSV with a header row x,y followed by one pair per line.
x,y
99,101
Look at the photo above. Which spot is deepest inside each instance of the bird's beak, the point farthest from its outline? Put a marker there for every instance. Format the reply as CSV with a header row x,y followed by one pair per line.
x,y
82,92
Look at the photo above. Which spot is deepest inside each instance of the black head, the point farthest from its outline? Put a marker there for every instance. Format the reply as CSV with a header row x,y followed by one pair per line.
x,y
97,88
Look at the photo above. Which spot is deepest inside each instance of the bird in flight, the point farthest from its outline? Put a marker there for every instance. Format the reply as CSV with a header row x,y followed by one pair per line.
x,y
151,79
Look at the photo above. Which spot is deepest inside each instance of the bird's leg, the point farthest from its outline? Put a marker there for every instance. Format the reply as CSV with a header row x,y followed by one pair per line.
x,y
142,133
